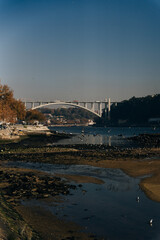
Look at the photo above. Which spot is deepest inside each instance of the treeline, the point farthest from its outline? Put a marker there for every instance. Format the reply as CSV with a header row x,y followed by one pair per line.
x,y
69,113
134,111
34,115
128,112
12,110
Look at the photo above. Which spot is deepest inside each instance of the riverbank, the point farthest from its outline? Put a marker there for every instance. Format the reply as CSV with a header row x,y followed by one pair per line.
x,y
14,132
135,162
21,184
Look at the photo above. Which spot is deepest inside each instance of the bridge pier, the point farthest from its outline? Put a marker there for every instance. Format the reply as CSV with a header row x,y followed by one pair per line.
x,y
100,108
85,104
92,106
109,109
105,110
32,104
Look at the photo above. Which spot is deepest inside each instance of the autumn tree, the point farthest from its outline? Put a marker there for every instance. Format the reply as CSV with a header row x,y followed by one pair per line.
x,y
10,108
19,108
32,115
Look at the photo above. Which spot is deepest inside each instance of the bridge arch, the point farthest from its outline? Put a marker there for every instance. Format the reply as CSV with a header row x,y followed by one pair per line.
x,y
68,104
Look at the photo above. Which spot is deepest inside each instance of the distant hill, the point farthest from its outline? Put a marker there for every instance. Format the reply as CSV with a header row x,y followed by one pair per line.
x,y
138,111
67,115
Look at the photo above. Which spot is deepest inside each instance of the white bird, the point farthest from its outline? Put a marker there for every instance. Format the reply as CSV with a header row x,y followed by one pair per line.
x,y
137,199
151,221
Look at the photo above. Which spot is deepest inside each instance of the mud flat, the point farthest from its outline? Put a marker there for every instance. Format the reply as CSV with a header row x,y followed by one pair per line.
x,y
21,184
135,162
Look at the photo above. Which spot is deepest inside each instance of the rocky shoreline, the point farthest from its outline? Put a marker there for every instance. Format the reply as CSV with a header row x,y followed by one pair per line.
x,y
147,140
20,184
29,184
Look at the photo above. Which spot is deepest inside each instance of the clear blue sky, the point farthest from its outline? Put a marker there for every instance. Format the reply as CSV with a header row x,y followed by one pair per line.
x,y
80,49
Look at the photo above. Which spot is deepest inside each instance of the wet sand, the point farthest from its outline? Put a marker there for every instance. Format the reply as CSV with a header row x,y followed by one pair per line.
x,y
135,162
81,179
23,184
50,226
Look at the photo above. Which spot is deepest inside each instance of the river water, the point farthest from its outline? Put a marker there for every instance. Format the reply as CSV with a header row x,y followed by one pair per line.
x,y
109,136
110,210
116,209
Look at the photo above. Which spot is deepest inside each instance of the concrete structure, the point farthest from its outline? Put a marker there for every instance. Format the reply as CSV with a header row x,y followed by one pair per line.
x,y
95,107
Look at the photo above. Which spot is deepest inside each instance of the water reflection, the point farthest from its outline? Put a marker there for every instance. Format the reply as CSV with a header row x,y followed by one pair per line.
x,y
92,139
110,210
97,139
101,135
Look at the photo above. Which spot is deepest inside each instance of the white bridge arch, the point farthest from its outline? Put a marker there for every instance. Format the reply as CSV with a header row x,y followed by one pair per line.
x,y
95,107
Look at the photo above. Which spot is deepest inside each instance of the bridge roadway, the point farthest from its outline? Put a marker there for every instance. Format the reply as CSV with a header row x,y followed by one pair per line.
x,y
95,107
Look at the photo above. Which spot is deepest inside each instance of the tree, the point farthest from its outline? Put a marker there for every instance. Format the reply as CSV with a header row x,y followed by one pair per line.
x,y
135,110
10,108
19,107
33,115
6,94
6,113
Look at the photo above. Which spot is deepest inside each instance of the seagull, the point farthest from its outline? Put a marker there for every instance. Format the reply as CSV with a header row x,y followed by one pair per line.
x,y
137,199
150,222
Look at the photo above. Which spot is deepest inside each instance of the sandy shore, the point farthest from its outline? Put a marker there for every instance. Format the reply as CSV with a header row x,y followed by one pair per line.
x,y
15,132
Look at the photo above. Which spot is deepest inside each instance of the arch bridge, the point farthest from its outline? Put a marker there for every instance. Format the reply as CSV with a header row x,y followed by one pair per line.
x,y
95,107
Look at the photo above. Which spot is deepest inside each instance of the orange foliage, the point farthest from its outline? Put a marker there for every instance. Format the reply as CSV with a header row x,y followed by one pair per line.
x,y
10,108
32,115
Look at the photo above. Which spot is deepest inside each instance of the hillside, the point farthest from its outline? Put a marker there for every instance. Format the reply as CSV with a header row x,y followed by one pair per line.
x,y
135,111
67,115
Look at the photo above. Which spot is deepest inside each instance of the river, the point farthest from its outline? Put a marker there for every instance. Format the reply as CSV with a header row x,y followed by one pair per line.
x,y
109,136
117,209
